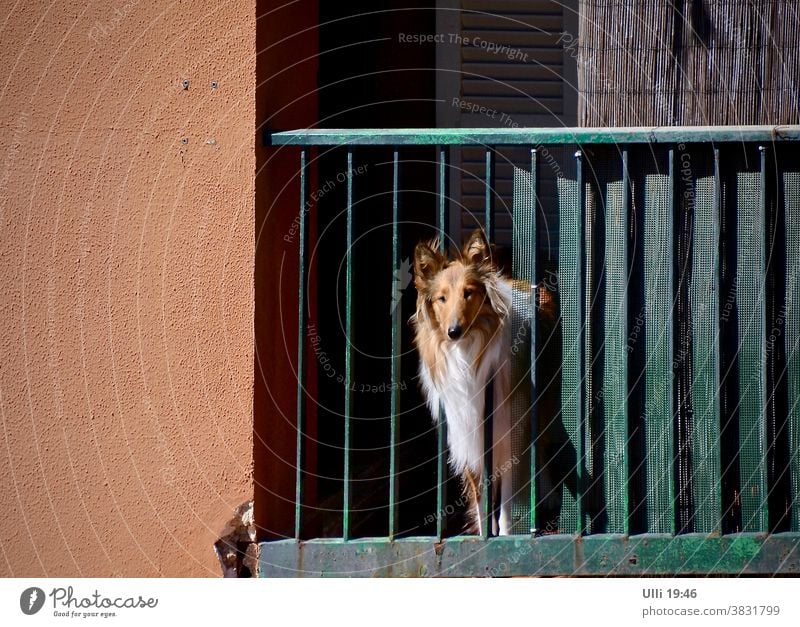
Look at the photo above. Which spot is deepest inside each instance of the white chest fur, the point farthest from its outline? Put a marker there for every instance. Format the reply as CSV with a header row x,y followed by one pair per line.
x,y
462,386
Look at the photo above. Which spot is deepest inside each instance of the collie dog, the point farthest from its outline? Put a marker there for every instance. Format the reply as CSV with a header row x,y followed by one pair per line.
x,y
463,334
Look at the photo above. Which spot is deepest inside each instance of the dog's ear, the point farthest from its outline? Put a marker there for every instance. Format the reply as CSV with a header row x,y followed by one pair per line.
x,y
427,262
477,250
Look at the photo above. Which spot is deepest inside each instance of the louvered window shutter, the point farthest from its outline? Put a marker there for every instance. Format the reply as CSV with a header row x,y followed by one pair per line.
x,y
509,63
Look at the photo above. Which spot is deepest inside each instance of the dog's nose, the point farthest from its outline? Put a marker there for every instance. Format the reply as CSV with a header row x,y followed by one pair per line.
x,y
454,332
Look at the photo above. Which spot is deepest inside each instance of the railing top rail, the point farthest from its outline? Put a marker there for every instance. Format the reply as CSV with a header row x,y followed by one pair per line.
x,y
532,136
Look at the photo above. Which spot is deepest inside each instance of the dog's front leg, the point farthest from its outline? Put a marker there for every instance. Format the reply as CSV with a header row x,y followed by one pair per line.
x,y
505,505
502,461
480,508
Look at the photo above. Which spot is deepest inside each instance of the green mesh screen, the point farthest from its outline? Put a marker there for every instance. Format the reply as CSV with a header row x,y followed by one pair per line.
x,y
791,193
615,373
704,306
571,277
657,412
523,322
750,302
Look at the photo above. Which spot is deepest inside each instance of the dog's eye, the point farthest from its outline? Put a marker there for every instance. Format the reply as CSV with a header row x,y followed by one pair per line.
x,y
467,294
441,299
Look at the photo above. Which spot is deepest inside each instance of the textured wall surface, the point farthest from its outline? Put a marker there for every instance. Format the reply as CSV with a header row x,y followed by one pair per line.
x,y
126,343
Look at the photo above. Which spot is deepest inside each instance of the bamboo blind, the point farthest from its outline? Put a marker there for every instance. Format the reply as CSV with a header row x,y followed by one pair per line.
x,y
688,62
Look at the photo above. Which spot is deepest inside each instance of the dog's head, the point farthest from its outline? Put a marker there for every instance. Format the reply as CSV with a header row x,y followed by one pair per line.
x,y
458,296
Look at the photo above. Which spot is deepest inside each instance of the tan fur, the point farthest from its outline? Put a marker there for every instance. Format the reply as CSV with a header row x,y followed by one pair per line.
x,y
472,487
460,291
464,290
457,291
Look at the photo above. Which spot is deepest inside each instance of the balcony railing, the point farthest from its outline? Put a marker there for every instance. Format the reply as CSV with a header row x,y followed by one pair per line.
x,y
678,259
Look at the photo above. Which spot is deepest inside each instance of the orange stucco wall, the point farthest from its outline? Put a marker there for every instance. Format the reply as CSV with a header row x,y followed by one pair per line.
x,y
127,260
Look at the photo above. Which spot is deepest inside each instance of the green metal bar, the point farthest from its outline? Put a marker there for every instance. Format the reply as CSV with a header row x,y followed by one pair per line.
x,y
348,351
534,388
658,405
522,354
489,195
442,216
533,330
791,194
509,556
583,452
704,291
571,288
441,423
524,315
487,511
396,332
441,474
530,136
487,506
615,374
301,345
750,299
668,415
